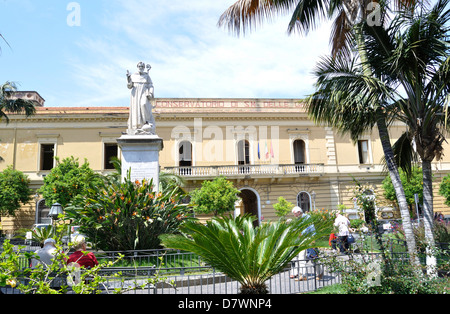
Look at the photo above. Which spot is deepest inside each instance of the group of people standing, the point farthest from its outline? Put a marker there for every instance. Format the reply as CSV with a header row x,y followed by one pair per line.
x,y
339,239
80,256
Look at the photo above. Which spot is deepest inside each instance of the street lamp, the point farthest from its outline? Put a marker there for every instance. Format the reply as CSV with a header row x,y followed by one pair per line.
x,y
416,200
55,210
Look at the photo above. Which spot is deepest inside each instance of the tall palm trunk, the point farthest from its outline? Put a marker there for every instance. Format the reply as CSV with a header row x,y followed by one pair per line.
x,y
398,187
428,216
389,156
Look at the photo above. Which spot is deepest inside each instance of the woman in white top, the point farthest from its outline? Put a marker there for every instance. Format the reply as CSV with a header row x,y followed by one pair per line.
x,y
343,225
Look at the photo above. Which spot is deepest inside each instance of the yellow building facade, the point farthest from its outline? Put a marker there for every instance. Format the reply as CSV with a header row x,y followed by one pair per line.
x,y
267,147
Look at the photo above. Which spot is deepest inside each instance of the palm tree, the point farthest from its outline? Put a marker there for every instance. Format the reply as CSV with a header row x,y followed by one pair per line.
x,y
10,105
306,14
354,102
249,255
414,53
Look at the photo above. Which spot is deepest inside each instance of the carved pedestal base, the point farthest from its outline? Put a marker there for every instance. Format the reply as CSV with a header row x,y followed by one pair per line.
x,y
140,157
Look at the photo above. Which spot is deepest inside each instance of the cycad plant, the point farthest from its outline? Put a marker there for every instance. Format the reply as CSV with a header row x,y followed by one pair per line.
x,y
244,253
39,235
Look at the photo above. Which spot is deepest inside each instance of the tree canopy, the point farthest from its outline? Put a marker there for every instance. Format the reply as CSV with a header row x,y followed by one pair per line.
x,y
14,191
67,180
217,196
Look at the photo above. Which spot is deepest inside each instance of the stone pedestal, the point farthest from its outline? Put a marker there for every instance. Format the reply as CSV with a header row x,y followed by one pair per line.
x,y
140,156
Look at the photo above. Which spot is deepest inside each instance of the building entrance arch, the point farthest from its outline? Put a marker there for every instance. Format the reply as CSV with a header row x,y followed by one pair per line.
x,y
249,203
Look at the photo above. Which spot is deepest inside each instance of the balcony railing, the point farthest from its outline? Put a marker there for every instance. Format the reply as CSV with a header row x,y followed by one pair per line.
x,y
247,170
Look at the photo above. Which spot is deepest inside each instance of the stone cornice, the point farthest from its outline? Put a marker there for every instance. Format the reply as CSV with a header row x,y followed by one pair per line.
x,y
227,117
176,109
229,105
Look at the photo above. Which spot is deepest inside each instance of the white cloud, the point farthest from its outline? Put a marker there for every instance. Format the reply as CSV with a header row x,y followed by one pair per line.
x,y
192,57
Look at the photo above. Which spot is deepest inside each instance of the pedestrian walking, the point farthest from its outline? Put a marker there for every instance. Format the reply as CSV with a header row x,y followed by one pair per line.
x,y
305,257
343,225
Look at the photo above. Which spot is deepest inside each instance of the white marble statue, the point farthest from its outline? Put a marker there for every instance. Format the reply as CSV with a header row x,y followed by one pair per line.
x,y
141,119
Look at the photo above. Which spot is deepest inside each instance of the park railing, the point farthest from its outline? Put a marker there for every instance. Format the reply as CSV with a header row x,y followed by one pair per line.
x,y
205,280
202,278
187,273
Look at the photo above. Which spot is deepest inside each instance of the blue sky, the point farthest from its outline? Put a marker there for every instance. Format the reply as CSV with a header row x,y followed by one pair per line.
x,y
190,56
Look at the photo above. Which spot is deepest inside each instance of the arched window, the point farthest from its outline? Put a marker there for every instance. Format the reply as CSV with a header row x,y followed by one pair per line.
x,y
42,213
304,201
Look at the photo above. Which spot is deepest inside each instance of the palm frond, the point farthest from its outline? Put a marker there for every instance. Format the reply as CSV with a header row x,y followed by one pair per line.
x,y
245,15
345,98
11,105
4,39
308,14
341,36
404,153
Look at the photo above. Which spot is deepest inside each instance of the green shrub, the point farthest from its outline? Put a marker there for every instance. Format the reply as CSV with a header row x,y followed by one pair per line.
x,y
392,276
67,180
444,189
283,207
14,191
54,278
217,196
441,234
356,223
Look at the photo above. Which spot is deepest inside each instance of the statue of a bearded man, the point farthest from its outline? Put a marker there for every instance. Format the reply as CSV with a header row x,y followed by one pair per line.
x,y
141,120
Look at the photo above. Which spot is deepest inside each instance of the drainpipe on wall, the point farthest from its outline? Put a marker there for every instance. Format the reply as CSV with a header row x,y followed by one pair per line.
x,y
15,147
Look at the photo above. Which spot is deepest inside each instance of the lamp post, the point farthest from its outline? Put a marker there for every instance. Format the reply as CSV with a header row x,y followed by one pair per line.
x,y
55,211
416,200
36,202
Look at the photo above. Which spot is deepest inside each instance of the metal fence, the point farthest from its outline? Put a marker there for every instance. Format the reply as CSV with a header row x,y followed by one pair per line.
x,y
187,273
206,280
198,279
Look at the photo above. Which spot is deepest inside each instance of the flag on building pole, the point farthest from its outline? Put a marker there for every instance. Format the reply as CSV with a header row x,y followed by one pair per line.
x,y
271,150
267,152
259,154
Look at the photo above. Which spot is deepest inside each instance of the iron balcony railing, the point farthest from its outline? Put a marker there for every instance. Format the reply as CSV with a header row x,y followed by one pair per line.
x,y
247,170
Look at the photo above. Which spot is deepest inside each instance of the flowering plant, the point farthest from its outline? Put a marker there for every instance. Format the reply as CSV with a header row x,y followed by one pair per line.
x,y
323,214
130,215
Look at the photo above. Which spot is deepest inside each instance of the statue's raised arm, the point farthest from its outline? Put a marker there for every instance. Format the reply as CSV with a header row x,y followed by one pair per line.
x,y
130,82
